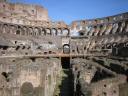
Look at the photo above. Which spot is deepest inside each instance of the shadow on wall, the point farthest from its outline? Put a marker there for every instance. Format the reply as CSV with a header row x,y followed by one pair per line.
x,y
65,61
27,89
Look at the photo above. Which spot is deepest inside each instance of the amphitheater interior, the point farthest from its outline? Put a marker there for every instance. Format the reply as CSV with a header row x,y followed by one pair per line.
x,y
39,57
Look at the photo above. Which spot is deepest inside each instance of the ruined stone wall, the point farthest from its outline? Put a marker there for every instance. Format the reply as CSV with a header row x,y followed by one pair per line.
x,y
19,11
24,72
101,69
31,48
94,79
33,30
28,77
103,35
26,14
25,66
101,26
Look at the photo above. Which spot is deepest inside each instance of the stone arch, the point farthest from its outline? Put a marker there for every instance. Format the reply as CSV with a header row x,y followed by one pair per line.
x,y
43,31
88,30
27,89
66,48
54,31
101,29
5,28
108,46
65,32
97,47
59,31
122,27
30,31
121,45
91,31
114,28
126,26
119,26
103,46
94,30
93,43
81,32
24,32
18,30
37,31
114,44
126,44
12,29
48,31
107,30
97,29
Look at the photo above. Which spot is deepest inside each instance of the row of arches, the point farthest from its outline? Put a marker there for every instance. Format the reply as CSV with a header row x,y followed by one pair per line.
x,y
104,43
107,43
105,29
110,19
34,31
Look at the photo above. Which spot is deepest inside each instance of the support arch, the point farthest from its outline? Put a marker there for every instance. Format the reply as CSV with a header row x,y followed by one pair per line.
x,y
5,28
43,32
65,32
66,48
54,31
59,32
30,31
48,31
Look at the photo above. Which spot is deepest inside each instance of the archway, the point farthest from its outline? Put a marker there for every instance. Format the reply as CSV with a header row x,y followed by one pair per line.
x,y
66,49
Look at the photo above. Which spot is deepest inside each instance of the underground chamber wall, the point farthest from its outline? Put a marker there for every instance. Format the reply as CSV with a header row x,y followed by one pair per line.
x,y
65,62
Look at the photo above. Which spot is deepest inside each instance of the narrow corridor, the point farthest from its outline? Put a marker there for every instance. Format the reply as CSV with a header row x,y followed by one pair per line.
x,y
65,84
66,88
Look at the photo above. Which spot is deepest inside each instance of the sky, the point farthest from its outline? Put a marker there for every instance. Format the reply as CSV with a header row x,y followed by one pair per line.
x,y
71,10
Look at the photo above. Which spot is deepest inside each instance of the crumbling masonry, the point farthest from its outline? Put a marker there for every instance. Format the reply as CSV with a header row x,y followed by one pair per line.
x,y
32,47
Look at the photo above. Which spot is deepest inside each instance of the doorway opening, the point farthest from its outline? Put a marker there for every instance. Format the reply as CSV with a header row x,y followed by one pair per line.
x,y
65,62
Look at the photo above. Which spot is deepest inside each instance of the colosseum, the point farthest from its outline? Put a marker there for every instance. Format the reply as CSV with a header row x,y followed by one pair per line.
x,y
39,57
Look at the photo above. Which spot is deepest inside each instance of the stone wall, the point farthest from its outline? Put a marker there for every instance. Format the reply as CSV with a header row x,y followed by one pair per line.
x,y
29,77
23,11
101,26
92,79
27,14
